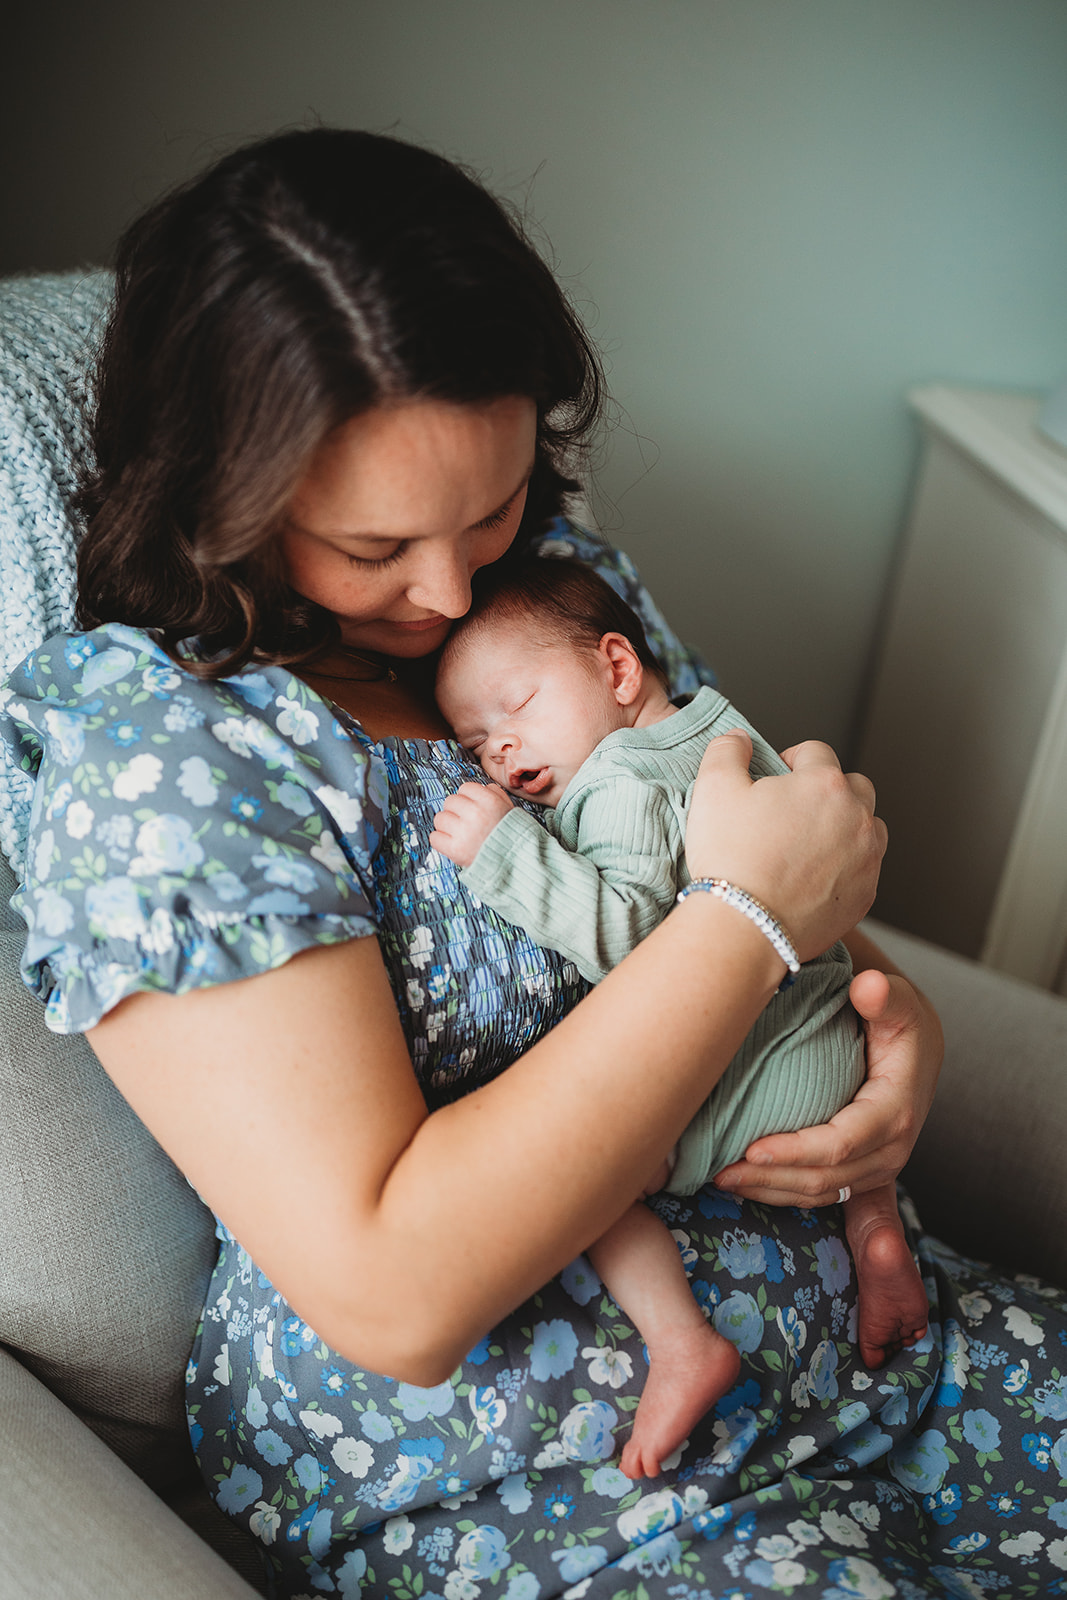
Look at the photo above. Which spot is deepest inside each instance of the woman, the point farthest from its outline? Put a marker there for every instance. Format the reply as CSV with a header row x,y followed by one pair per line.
x,y
336,383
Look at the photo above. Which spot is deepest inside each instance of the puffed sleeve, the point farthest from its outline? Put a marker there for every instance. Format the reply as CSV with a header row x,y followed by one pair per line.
x,y
686,670
183,832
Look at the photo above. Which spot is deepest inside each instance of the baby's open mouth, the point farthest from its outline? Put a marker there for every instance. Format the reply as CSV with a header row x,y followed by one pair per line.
x,y
531,781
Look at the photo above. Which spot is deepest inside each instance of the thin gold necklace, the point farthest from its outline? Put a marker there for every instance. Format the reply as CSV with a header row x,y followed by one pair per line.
x,y
381,672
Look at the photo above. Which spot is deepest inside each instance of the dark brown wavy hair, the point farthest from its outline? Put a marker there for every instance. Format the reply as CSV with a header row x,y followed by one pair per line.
x,y
297,283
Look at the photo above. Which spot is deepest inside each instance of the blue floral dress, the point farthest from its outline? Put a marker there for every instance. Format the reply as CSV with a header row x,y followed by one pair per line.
x,y
187,833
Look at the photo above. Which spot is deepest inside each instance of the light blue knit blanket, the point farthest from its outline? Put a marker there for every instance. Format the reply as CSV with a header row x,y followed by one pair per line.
x,y
49,328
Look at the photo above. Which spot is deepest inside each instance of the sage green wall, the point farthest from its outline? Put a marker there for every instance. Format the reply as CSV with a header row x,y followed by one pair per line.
x,y
777,215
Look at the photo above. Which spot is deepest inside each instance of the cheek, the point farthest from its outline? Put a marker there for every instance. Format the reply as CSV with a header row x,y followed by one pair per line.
x,y
329,580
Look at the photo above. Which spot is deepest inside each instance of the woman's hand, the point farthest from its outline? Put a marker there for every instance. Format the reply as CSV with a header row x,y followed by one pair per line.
x,y
806,843
868,1142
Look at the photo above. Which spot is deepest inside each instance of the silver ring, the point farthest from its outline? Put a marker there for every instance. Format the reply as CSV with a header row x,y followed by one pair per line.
x,y
843,1195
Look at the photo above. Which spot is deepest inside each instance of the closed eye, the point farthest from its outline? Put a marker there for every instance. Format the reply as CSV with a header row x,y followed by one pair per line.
x,y
377,562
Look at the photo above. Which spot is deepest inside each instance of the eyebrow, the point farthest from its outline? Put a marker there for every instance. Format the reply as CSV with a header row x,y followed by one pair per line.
x,y
393,538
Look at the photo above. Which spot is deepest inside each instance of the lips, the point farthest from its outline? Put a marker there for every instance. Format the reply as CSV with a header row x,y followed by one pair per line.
x,y
423,625
530,781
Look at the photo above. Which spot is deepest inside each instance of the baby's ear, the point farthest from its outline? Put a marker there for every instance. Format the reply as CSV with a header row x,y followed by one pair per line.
x,y
627,673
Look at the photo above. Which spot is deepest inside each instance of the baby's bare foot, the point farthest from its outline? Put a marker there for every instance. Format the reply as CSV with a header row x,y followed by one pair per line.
x,y
688,1372
893,1308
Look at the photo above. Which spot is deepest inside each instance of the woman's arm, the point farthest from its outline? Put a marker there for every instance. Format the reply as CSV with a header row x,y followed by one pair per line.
x,y
289,1101
869,1141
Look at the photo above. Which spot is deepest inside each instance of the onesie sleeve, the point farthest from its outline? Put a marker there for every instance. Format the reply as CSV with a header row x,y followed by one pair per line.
x,y
596,896
183,832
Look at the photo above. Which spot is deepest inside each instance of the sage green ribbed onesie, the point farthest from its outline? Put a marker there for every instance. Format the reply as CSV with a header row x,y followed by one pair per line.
x,y
605,869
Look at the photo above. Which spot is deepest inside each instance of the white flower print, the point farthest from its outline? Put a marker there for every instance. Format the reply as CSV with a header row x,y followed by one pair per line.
x,y
800,1394
416,994
114,909
685,1249
974,1306
53,913
59,801
353,1456
1057,1553
79,819
1027,1543
158,937
801,1448
343,807
265,1522
864,1581
613,1367
1021,1325
804,1532
866,1513
165,844
234,733
777,1548
843,1531
861,1380
420,946
552,1455
196,783
459,1587
296,721
221,1374
669,1463
42,855
294,798
454,1501
323,1424
786,1575
398,1534
139,776
160,680
329,852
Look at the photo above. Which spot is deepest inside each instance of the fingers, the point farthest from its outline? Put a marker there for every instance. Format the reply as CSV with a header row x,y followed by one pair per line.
x,y
810,753
807,1187
813,753
857,1149
870,994
726,759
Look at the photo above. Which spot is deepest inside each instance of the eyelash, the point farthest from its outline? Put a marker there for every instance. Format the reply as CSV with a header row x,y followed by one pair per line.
x,y
497,517
377,564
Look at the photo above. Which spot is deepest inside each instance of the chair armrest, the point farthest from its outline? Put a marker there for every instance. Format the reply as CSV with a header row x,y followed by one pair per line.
x,y
988,1173
77,1524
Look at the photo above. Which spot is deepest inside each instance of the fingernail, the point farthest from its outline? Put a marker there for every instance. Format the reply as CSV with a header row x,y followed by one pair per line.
x,y
760,1160
725,1180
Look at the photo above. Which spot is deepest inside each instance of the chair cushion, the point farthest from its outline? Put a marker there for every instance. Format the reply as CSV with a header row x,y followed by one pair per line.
x,y
77,1525
105,1250
988,1172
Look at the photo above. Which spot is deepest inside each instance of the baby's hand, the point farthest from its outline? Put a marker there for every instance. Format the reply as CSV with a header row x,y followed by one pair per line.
x,y
466,820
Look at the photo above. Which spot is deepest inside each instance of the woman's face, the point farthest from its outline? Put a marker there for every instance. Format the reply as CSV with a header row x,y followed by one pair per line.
x,y
399,509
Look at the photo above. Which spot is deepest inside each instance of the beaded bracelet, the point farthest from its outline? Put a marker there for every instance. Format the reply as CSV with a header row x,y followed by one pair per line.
x,y
750,907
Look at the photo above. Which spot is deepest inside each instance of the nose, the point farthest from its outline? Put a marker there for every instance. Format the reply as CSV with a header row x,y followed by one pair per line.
x,y
443,580
500,744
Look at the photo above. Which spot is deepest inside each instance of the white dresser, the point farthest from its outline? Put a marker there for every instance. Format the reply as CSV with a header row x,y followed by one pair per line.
x,y
966,729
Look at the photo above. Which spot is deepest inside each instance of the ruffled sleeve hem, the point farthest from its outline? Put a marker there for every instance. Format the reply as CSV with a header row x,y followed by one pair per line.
x,y
173,954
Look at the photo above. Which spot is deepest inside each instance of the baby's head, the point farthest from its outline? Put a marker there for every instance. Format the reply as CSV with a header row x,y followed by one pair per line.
x,y
545,665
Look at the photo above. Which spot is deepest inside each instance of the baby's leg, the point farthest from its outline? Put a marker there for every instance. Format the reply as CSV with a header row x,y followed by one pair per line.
x,y
893,1305
690,1364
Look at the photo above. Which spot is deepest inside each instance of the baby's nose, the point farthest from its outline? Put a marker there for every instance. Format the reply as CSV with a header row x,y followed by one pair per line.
x,y
501,743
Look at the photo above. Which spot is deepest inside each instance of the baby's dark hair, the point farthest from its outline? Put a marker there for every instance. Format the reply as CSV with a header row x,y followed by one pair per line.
x,y
576,605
